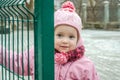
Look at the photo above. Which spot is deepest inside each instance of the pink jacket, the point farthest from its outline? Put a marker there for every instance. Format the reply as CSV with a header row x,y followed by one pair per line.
x,y
22,59
81,69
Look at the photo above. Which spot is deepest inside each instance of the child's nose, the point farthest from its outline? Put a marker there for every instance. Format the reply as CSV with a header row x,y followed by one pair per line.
x,y
65,40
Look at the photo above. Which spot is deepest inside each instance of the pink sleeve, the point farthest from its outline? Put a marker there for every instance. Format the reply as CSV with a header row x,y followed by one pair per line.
x,y
91,73
20,61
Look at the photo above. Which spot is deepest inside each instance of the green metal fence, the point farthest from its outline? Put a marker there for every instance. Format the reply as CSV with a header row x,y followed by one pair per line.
x,y
44,40
20,29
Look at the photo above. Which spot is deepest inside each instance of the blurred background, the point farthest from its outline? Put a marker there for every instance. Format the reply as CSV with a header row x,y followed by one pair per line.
x,y
96,14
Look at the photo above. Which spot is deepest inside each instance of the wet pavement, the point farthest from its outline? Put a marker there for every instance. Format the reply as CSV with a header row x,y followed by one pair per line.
x,y
102,47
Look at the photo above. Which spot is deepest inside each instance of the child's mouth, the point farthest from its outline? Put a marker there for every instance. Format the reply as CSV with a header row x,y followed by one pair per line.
x,y
64,47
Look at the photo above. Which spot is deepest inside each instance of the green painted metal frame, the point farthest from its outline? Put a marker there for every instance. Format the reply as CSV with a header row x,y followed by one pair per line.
x,y
7,10
43,34
44,40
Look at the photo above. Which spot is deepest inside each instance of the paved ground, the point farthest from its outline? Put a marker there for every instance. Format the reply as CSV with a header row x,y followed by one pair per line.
x,y
102,47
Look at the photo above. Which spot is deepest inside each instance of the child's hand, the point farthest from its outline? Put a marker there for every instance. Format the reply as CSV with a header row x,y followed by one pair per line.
x,y
60,58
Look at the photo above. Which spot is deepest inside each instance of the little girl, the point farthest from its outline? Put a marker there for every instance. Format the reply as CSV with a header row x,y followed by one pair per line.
x,y
70,62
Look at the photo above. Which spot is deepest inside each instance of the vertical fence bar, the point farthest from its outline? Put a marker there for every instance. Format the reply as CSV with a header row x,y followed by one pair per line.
x,y
44,40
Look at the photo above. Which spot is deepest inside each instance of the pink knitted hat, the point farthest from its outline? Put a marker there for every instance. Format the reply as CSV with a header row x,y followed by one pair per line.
x,y
67,15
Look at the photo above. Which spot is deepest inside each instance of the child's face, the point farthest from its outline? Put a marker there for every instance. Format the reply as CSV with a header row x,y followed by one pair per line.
x,y
65,38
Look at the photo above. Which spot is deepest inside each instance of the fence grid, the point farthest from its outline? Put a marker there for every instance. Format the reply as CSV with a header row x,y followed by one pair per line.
x,y
16,21
21,29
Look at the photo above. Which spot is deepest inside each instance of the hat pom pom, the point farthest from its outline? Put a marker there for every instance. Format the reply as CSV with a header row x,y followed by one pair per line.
x,y
68,6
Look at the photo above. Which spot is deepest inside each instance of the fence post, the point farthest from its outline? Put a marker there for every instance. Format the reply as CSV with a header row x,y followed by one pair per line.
x,y
84,13
118,12
44,40
106,13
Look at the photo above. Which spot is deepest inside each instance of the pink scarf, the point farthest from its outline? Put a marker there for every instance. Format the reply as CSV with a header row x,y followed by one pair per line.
x,y
62,58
